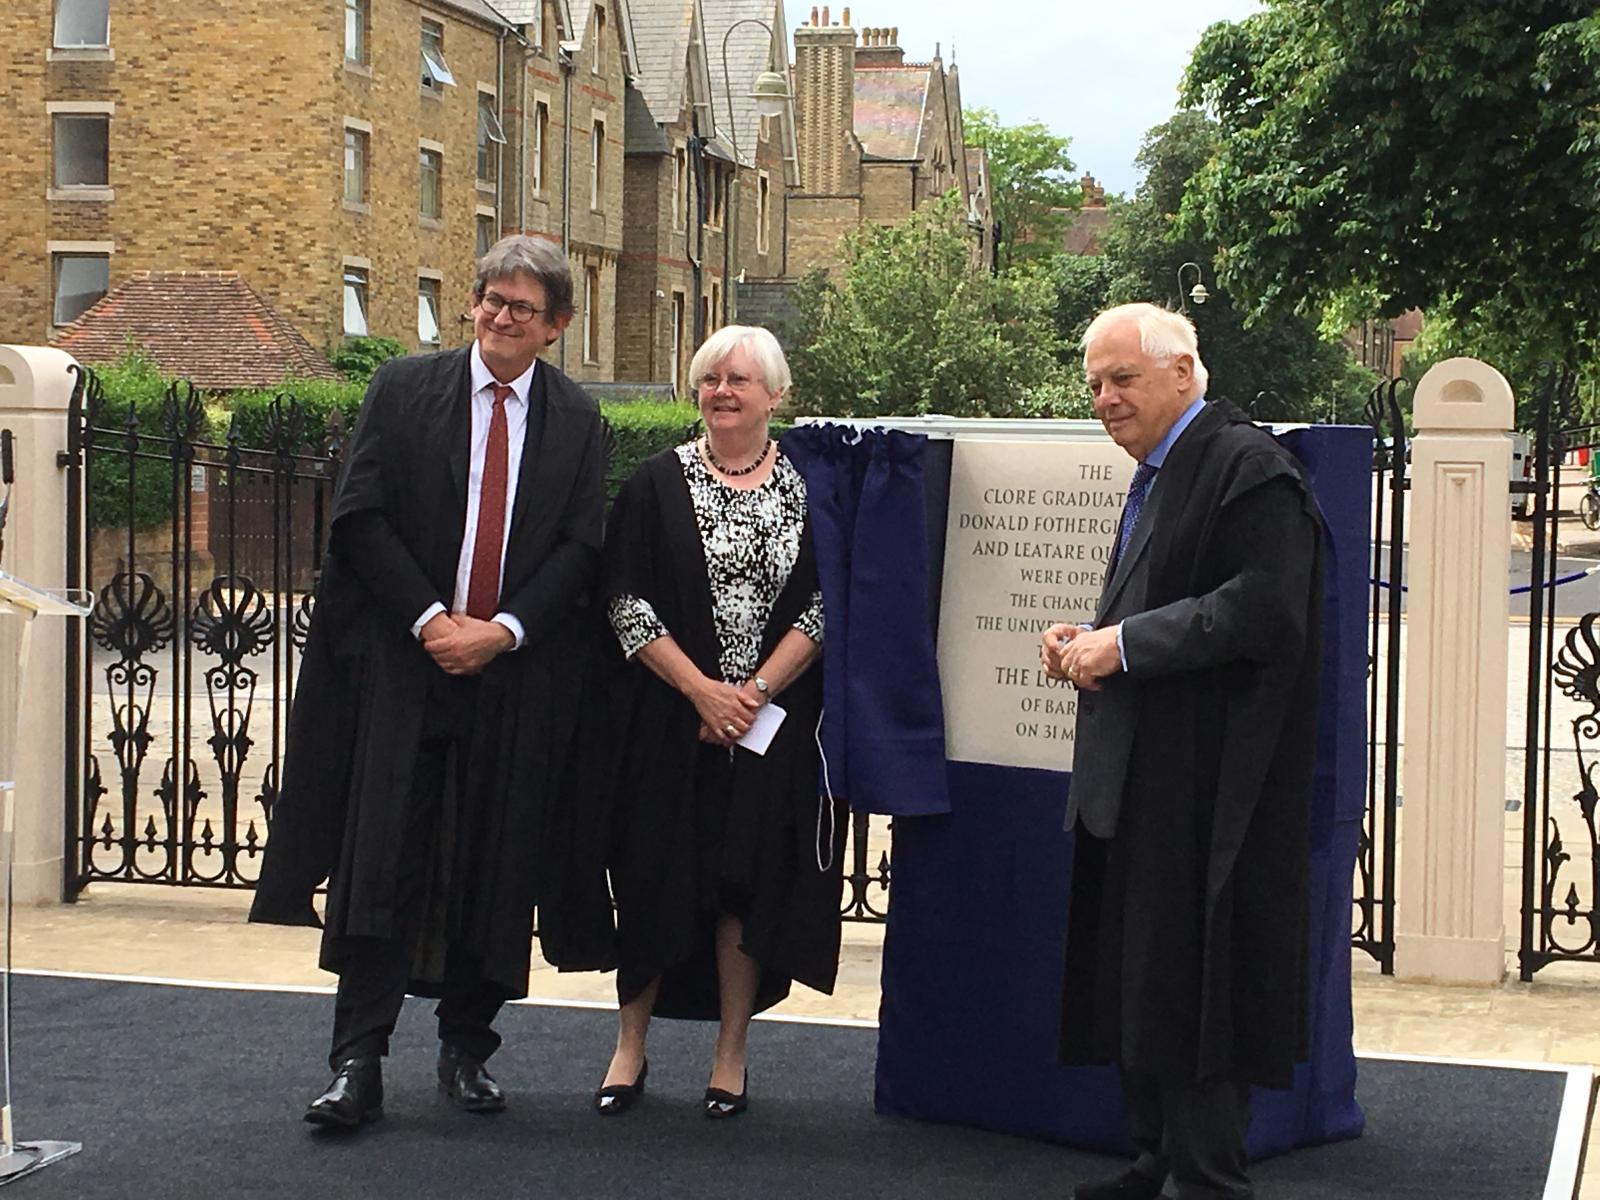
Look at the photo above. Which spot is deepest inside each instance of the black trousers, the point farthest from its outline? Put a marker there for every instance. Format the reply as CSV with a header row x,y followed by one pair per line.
x,y
1193,1132
372,985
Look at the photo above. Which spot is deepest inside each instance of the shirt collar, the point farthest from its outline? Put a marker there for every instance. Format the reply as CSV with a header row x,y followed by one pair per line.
x,y
482,377
1159,455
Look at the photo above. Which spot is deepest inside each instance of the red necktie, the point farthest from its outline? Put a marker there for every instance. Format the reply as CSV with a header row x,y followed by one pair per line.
x,y
483,589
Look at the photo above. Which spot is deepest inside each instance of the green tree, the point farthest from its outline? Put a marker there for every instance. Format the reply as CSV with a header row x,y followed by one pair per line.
x,y
1030,181
358,358
1279,366
914,325
1383,155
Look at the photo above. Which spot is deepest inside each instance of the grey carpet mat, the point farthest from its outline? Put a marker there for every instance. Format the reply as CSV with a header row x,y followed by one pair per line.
x,y
197,1092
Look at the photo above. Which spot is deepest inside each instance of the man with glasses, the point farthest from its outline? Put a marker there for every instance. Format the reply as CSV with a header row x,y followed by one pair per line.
x,y
435,709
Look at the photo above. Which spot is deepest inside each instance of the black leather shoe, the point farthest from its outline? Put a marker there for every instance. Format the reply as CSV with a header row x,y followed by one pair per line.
x,y
1130,1185
353,1099
468,1083
619,1097
721,1105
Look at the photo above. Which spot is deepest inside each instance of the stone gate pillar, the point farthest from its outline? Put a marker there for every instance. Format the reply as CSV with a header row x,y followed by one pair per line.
x,y
35,388
1450,927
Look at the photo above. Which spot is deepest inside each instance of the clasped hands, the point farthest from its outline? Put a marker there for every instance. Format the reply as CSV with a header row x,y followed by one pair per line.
x,y
726,711
1082,657
463,645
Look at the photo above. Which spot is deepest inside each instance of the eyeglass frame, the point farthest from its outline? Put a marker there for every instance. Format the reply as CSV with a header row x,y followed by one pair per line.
x,y
498,304
707,380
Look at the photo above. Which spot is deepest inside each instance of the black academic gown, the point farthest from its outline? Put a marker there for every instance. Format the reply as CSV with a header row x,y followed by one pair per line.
x,y
356,719
1187,947
796,838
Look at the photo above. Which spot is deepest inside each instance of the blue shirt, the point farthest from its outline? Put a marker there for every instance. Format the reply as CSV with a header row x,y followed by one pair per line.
x,y
1155,458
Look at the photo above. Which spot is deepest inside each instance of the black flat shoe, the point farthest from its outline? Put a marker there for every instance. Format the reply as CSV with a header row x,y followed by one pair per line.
x,y
620,1097
721,1105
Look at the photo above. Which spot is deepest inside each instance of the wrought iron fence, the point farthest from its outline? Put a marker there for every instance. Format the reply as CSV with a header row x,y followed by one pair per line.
x,y
202,556
1560,843
1373,913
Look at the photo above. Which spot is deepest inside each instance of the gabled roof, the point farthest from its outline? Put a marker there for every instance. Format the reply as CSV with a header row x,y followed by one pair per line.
x,y
621,11
522,13
751,50
640,132
889,107
209,327
665,29
488,13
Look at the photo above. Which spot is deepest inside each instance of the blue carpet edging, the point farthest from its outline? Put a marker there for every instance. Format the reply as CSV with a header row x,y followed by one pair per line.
x,y
196,1090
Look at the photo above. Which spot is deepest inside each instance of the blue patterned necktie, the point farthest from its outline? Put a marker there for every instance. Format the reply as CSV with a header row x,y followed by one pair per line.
x,y
1143,476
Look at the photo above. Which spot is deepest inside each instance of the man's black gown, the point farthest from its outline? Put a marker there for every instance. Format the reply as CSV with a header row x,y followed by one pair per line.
x,y
505,839
1186,952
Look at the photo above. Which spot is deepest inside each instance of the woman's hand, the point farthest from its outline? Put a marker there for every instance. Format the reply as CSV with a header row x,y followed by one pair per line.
x,y
725,711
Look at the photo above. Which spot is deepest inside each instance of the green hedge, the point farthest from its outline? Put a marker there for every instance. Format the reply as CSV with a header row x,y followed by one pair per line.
x,y
641,428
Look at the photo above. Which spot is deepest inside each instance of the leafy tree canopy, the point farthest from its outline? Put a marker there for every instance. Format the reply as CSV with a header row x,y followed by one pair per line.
x,y
1278,367
1382,155
914,325
358,358
1031,184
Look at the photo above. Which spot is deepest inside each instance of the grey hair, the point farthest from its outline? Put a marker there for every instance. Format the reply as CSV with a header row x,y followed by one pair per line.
x,y
538,257
1163,335
755,341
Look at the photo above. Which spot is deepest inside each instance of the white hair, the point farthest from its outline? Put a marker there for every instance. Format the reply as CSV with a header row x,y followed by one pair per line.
x,y
757,342
1163,335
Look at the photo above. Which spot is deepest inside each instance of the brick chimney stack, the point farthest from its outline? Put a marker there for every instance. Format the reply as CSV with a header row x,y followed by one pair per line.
x,y
1094,193
825,103
880,48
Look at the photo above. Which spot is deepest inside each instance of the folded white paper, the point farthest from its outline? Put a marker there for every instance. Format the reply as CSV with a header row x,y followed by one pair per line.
x,y
759,736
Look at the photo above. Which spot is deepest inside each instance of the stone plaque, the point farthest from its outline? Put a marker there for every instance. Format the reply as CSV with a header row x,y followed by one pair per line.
x,y
1030,531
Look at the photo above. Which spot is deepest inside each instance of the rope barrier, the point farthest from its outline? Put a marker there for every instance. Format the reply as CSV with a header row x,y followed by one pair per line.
x,y
1520,590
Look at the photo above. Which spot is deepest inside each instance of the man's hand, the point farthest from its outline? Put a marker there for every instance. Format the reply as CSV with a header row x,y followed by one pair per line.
x,y
469,645
1053,645
1090,657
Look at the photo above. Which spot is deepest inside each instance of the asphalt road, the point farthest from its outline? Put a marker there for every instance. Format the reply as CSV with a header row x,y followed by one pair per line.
x,y
1572,600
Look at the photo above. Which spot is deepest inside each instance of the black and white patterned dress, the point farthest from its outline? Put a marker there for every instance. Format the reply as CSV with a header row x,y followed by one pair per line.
x,y
751,538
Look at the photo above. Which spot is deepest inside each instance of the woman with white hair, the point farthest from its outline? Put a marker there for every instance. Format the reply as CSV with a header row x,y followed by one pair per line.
x,y
725,864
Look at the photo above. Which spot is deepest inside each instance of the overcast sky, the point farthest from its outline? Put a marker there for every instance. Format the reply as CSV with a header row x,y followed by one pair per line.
x,y
1100,73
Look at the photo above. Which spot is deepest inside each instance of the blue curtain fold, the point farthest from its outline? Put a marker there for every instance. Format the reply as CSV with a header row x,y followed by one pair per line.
x,y
883,716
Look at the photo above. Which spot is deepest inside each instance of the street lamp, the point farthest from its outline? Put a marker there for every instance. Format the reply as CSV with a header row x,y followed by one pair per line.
x,y
771,94
1197,293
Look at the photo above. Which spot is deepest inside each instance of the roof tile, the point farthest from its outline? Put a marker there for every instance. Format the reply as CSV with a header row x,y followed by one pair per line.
x,y
209,327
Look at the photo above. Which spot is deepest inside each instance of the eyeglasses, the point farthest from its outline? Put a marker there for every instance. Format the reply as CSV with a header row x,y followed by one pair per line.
x,y
521,311
736,383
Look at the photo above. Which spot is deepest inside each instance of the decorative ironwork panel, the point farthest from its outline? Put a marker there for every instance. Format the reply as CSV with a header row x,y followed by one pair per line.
x,y
202,554
1560,846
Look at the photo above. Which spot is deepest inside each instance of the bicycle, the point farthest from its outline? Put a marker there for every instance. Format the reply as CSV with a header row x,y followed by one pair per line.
x,y
1589,505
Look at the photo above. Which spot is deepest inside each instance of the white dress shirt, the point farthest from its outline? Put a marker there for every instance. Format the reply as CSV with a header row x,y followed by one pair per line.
x,y
516,404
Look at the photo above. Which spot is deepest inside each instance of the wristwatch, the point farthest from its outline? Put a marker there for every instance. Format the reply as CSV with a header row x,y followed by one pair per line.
x,y
761,685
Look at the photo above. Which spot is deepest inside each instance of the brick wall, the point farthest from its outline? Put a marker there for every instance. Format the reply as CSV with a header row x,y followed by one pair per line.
x,y
816,223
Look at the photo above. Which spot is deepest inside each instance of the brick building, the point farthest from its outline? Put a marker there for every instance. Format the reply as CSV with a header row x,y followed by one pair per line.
x,y
566,120
696,171
877,136
349,159
344,157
